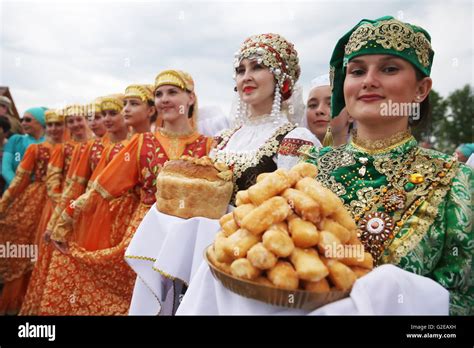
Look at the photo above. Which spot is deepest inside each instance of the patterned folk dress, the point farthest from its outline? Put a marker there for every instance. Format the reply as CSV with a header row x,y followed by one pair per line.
x,y
105,218
413,207
63,159
22,207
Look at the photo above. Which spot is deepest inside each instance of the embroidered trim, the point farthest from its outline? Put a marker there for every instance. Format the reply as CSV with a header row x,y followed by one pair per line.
x,y
328,163
140,140
62,228
305,151
53,183
143,258
54,217
151,259
419,225
239,162
102,191
332,73
291,146
224,137
169,276
80,202
79,179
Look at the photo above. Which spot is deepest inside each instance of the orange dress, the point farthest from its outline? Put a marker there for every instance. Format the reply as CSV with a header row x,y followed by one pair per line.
x,y
110,151
104,221
91,165
121,206
22,209
63,157
83,163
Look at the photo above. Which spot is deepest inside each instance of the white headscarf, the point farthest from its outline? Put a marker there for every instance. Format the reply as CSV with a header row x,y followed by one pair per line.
x,y
322,80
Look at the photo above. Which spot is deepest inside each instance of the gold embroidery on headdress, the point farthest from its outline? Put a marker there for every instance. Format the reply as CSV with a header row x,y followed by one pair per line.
x,y
390,34
53,116
143,92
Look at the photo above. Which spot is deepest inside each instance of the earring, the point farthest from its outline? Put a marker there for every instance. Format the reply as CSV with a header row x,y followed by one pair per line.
x,y
235,89
328,138
275,114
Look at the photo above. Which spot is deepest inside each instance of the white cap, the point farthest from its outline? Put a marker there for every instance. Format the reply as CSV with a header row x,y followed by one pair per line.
x,y
319,81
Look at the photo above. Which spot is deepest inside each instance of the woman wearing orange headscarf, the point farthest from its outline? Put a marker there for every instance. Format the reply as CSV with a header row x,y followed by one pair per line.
x,y
22,208
84,160
63,159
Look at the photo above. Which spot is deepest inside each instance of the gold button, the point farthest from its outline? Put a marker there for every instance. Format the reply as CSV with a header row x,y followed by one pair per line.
x,y
416,178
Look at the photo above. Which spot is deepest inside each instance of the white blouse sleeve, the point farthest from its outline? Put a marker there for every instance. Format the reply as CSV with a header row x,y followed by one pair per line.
x,y
291,145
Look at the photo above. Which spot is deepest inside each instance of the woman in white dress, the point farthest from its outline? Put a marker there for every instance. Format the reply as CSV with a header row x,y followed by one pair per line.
x,y
166,251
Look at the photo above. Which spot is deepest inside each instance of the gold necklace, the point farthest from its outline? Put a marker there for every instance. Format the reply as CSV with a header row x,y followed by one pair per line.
x,y
373,147
171,134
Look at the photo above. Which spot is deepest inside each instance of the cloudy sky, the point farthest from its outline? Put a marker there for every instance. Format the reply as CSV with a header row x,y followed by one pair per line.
x,y
57,52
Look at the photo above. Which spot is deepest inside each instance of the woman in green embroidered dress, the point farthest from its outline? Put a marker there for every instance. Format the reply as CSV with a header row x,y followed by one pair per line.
x,y
413,206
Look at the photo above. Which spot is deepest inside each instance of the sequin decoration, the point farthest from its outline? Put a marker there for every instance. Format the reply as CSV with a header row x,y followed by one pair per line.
x,y
394,200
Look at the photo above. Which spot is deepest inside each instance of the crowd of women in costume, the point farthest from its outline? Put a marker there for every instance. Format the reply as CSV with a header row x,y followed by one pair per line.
x,y
80,193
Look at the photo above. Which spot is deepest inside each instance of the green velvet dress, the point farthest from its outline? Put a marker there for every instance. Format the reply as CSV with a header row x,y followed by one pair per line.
x,y
413,207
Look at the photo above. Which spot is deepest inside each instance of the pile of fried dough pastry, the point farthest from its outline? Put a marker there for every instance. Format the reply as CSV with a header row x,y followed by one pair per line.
x,y
287,231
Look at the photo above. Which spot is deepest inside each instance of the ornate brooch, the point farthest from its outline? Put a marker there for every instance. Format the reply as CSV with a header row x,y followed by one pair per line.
x,y
375,229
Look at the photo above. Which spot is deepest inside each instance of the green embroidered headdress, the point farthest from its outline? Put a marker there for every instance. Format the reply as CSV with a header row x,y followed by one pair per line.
x,y
385,35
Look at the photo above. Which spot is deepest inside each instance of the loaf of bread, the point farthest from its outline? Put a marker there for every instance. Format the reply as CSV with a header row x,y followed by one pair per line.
x,y
190,187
